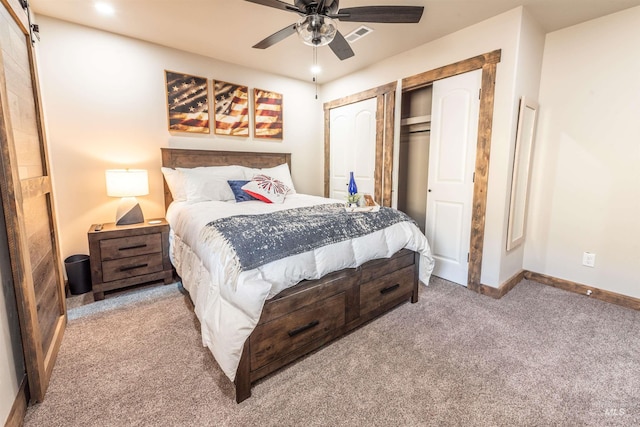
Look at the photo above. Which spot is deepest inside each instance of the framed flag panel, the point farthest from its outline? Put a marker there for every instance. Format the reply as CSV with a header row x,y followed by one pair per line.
x,y
268,114
231,109
187,102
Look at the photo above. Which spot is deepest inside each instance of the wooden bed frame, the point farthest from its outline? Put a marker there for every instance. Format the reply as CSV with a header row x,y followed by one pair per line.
x,y
311,314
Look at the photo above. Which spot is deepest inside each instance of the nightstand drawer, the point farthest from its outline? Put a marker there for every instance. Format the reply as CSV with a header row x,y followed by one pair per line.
x,y
112,249
131,266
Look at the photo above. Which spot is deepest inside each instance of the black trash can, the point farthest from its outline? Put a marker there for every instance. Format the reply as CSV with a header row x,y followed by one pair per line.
x,y
79,273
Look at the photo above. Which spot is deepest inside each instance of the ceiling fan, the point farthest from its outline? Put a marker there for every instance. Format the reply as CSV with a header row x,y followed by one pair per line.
x,y
318,27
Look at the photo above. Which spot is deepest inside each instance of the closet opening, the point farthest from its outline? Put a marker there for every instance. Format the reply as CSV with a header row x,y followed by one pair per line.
x,y
486,62
413,164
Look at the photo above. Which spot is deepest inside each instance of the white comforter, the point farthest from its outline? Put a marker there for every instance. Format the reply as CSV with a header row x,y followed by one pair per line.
x,y
228,312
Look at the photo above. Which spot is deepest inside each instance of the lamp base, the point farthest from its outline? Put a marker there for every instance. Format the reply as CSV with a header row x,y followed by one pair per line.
x,y
129,212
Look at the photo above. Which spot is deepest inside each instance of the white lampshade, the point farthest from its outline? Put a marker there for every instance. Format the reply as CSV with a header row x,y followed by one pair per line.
x,y
127,182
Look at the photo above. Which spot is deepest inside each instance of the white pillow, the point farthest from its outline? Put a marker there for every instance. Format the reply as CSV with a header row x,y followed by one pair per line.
x,y
266,188
280,172
210,182
176,184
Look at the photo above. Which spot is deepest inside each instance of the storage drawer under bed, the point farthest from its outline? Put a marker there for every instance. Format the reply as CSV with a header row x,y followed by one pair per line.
x,y
388,289
274,339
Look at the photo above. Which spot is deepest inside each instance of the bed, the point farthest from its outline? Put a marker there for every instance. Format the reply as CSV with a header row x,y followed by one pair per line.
x,y
287,320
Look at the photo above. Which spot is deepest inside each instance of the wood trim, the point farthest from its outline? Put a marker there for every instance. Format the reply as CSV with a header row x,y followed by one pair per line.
x,y
361,96
327,154
578,288
19,407
503,289
424,79
389,134
383,143
488,63
481,183
377,171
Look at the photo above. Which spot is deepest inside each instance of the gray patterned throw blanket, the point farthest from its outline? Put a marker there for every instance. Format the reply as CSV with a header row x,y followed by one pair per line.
x,y
261,239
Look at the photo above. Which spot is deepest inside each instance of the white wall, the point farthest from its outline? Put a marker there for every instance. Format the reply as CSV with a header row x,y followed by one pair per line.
x,y
500,32
527,83
586,173
104,104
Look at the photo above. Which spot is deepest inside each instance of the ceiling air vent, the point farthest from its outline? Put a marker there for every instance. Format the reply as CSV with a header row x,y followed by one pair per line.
x,y
358,33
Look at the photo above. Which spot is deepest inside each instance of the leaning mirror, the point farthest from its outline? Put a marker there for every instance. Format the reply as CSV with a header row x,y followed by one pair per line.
x,y
521,173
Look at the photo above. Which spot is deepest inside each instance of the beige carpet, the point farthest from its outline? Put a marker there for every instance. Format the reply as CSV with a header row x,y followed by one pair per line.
x,y
538,357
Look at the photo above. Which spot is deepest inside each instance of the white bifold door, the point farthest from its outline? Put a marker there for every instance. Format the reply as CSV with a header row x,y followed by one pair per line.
x,y
352,147
452,155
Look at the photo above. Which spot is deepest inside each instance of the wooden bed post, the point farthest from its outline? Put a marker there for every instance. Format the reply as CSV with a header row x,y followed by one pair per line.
x,y
416,277
243,375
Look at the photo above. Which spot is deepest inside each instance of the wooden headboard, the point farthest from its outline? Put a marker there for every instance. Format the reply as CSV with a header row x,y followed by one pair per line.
x,y
184,158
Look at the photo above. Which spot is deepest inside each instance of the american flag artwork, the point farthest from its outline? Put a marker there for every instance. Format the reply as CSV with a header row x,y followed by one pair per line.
x,y
187,102
268,114
231,109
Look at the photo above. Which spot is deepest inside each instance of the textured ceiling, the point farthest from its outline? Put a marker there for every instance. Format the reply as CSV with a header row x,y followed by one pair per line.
x,y
226,29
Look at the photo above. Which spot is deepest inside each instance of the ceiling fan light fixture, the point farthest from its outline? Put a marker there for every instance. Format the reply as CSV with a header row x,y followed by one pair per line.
x,y
316,30
104,8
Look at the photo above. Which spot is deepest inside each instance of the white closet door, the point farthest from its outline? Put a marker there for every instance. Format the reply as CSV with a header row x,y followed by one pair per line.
x,y
452,156
353,147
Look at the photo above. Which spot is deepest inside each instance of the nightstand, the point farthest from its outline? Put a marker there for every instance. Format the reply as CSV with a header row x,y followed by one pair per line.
x,y
128,255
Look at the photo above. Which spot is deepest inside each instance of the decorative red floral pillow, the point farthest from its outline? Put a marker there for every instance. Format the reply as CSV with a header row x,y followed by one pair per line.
x,y
267,189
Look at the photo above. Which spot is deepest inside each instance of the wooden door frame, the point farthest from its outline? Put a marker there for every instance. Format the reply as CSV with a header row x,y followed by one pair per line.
x,y
488,63
385,109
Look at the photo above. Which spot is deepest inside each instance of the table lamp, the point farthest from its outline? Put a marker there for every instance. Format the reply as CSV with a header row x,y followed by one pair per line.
x,y
127,183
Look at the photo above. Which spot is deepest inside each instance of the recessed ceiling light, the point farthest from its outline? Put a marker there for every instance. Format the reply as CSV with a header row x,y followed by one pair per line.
x,y
315,69
104,8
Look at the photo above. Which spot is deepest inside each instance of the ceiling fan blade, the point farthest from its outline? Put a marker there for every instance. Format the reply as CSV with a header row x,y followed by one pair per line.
x,y
276,37
382,14
276,4
341,47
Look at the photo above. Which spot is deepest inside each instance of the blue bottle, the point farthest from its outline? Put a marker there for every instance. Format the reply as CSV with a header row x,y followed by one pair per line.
x,y
353,188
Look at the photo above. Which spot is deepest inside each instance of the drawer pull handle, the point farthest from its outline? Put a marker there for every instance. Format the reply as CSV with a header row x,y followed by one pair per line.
x,y
126,248
301,329
390,289
133,267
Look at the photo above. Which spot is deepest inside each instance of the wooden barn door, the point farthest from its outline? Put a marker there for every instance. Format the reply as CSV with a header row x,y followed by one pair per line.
x,y
27,202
